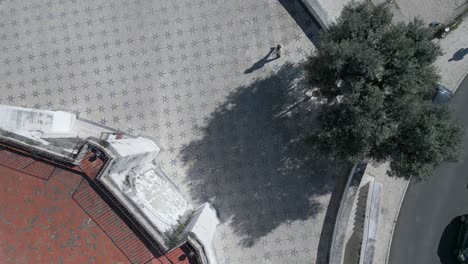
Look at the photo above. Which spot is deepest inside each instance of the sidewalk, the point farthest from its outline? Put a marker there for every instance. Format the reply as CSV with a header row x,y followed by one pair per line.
x,y
393,193
427,10
453,65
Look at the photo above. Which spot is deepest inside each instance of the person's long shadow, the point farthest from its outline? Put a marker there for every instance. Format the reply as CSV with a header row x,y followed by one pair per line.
x,y
459,55
448,242
259,64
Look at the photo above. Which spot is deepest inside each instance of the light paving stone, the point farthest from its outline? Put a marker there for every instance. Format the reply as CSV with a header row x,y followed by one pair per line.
x,y
176,71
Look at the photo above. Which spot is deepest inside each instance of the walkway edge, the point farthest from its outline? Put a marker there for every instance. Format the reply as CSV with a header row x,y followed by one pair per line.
x,y
335,243
395,221
318,13
459,82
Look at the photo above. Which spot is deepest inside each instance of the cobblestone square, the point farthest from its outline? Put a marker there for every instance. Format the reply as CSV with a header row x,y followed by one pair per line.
x,y
198,77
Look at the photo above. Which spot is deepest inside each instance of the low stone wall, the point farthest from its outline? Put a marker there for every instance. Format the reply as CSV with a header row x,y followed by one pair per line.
x,y
357,233
325,11
17,141
344,213
369,238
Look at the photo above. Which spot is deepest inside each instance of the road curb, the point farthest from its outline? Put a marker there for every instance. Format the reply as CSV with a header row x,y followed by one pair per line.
x,y
395,221
459,82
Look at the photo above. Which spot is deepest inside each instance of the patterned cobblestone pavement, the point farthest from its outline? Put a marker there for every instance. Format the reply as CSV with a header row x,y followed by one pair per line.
x,y
197,76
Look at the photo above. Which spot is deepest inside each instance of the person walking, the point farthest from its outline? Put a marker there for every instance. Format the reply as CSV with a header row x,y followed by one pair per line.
x,y
278,50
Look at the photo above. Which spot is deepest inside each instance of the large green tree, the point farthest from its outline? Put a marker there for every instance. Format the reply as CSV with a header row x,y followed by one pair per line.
x,y
378,78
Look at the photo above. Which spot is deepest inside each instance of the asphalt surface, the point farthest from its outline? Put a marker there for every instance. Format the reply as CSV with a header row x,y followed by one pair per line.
x,y
427,226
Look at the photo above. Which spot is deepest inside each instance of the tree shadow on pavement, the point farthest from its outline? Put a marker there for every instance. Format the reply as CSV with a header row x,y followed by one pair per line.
x,y
251,162
448,242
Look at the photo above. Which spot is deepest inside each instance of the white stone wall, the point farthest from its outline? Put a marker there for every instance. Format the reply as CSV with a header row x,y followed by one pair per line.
x,y
131,153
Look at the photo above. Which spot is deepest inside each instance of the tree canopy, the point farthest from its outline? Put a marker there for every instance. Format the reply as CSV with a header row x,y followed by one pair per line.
x,y
378,78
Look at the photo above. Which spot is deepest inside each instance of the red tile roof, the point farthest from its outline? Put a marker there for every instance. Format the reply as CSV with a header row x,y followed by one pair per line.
x,y
58,216
40,223
26,164
115,228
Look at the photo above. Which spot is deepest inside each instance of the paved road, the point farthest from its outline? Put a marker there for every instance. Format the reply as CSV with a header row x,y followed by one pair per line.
x,y
427,223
